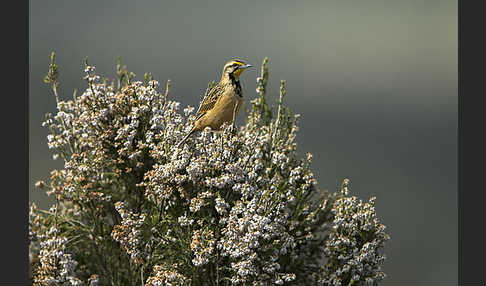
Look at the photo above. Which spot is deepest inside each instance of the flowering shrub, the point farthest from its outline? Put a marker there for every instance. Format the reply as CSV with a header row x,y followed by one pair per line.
x,y
223,209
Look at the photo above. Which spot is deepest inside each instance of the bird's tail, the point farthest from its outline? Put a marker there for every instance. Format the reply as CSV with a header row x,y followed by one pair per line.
x,y
185,137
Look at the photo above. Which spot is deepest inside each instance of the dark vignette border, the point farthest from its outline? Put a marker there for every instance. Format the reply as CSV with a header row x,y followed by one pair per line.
x,y
15,148
471,144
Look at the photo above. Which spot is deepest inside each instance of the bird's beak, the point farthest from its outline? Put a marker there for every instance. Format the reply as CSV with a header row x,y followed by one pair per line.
x,y
245,66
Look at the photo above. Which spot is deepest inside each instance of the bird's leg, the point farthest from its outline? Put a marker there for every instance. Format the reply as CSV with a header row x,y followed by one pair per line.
x,y
222,142
233,125
193,130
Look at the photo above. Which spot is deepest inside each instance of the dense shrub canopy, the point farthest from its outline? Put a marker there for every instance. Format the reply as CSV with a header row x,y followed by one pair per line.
x,y
222,209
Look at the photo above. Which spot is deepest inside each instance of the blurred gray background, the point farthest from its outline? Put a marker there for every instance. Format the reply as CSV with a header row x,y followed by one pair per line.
x,y
375,82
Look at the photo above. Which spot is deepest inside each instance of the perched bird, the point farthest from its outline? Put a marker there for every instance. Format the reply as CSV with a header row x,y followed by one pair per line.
x,y
222,102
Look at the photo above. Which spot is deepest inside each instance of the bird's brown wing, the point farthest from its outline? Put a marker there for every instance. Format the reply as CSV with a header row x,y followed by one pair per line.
x,y
209,100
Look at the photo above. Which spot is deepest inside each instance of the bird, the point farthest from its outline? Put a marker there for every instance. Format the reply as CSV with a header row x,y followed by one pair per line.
x,y
222,103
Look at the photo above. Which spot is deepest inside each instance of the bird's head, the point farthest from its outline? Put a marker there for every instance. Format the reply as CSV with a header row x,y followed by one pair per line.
x,y
234,68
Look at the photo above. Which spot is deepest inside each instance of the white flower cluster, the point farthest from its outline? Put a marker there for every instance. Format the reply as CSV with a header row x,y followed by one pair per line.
x,y
106,132
129,233
354,243
56,265
184,221
165,275
202,246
